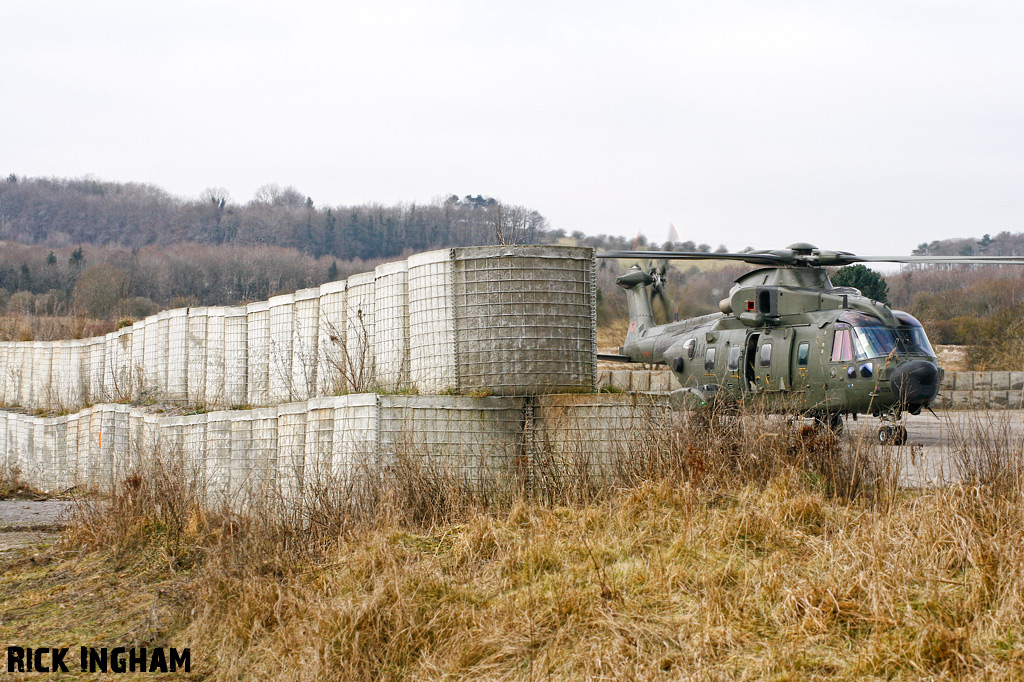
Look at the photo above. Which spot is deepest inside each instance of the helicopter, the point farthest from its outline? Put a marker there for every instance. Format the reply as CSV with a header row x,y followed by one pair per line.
x,y
789,338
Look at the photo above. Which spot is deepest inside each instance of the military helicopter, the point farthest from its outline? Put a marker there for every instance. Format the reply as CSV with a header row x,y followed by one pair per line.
x,y
787,336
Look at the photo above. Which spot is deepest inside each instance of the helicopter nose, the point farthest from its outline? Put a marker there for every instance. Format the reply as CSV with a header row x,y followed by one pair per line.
x,y
916,382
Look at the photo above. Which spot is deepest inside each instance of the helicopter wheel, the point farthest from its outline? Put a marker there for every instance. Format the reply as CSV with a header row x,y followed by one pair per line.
x,y
885,434
892,435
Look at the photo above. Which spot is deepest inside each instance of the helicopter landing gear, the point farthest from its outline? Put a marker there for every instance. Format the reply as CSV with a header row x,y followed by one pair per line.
x,y
892,431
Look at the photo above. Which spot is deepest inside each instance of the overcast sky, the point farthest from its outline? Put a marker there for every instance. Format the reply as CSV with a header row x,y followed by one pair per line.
x,y
867,126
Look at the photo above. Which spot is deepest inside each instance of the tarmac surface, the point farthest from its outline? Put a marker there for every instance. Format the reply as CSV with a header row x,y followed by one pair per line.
x,y
27,523
27,515
940,448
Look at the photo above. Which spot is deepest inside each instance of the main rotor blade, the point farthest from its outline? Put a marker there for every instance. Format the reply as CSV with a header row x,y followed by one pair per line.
x,y
844,259
755,257
815,258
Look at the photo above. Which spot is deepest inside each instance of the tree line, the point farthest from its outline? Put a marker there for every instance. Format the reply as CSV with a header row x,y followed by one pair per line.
x,y
61,211
82,246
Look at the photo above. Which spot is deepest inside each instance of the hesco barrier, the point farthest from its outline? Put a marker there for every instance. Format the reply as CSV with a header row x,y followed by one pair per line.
x,y
360,299
216,337
236,368
513,321
257,319
331,339
291,449
596,432
391,326
176,388
282,331
196,351
304,343
138,369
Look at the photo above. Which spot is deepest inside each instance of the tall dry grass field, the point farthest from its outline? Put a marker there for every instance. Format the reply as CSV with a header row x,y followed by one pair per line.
x,y
736,548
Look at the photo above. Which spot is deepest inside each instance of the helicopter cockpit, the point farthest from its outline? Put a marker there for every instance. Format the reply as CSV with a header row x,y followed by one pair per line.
x,y
860,337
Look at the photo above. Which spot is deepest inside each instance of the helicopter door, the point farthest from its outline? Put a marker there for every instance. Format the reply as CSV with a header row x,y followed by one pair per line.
x,y
781,378
750,379
773,371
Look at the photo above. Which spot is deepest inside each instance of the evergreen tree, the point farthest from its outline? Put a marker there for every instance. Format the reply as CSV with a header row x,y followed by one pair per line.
x,y
870,283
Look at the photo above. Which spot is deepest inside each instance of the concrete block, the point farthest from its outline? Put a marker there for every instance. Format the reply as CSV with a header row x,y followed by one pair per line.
x,y
641,381
960,400
1000,381
982,381
1017,381
962,381
1015,400
999,399
621,379
662,382
604,378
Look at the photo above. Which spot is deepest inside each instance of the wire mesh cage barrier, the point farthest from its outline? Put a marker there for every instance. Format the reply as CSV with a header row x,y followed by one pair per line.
x,y
289,451
510,321
515,321
360,316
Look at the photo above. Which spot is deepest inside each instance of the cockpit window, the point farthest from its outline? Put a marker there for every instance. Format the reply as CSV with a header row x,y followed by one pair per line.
x,y
912,332
873,342
872,339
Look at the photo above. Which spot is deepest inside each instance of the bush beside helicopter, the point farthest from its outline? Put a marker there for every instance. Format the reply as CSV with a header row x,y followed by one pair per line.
x,y
786,336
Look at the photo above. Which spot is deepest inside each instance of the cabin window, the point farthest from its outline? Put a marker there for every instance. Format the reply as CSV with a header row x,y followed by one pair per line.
x,y
842,345
766,354
690,346
803,351
709,360
734,358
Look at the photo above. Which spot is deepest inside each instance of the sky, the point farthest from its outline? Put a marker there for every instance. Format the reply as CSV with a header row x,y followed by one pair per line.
x,y
870,126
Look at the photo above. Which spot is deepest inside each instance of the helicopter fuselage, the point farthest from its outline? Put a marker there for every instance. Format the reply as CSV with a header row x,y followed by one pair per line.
x,y
787,338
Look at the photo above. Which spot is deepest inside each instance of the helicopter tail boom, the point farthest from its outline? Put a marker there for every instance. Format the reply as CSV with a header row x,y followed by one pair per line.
x,y
638,298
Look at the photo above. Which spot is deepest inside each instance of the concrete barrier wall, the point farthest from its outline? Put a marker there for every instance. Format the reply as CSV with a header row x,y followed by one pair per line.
x,y
514,321
285,450
959,390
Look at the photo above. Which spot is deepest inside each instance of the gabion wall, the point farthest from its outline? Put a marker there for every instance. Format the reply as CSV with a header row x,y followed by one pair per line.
x,y
288,450
511,321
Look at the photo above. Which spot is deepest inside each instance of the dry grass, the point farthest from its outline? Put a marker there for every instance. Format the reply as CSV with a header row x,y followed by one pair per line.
x,y
14,487
744,549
